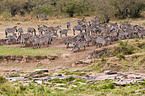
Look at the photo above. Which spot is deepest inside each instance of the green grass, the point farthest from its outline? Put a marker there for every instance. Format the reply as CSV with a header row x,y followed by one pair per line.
x,y
102,88
29,51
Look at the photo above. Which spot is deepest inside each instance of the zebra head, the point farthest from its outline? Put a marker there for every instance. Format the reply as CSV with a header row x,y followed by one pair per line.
x,y
15,27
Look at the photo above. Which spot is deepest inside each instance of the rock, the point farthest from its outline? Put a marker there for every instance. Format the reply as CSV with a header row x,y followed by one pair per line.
x,y
58,84
38,81
60,88
134,76
12,79
103,77
41,78
82,83
85,61
65,55
41,70
125,82
109,72
74,85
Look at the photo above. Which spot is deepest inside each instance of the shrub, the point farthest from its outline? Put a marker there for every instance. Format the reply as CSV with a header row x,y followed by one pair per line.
x,y
70,79
6,15
121,56
73,7
43,9
22,88
2,79
126,48
14,75
107,86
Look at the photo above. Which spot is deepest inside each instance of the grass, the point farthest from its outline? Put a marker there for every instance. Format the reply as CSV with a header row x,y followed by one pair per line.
x,y
30,51
120,61
101,88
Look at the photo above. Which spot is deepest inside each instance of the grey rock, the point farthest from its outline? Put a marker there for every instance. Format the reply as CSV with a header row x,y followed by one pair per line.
x,y
12,79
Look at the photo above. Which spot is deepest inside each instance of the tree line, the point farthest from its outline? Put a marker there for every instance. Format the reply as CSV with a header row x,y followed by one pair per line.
x,y
102,8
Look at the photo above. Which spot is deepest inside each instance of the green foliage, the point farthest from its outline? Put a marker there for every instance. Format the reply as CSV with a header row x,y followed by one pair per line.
x,y
6,15
14,75
103,59
126,48
125,8
44,9
107,86
22,88
105,9
2,79
121,56
70,79
73,7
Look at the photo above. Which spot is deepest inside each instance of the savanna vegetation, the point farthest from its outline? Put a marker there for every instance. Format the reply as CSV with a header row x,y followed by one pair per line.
x,y
125,56
64,8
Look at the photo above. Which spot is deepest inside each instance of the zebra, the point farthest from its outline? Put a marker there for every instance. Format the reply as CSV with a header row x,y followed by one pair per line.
x,y
11,39
63,31
31,30
100,41
55,29
40,30
42,16
35,41
70,41
10,30
79,28
51,34
68,25
23,38
20,31
79,45
87,39
48,38
47,29
140,35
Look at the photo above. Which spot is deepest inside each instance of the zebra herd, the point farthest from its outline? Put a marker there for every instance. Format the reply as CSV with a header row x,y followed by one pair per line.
x,y
43,38
90,32
102,34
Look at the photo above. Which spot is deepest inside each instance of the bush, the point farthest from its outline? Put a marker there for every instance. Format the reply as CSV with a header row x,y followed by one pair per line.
x,y
43,9
74,7
107,86
6,15
22,88
125,47
14,75
121,56
2,79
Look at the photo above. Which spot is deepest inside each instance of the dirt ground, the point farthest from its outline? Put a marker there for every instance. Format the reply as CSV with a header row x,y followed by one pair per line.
x,y
64,60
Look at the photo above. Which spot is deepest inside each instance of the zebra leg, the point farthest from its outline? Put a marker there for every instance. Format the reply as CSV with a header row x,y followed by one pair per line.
x,y
73,31
67,45
84,47
6,33
74,49
88,44
78,49
38,45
